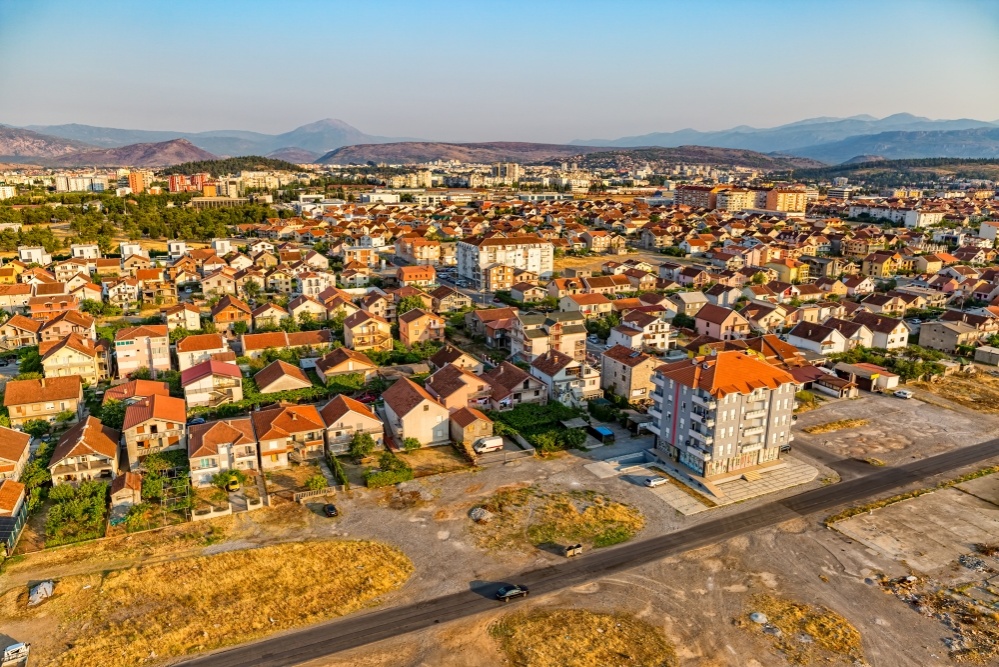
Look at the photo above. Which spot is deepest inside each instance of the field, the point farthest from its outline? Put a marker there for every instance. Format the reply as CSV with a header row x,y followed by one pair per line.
x,y
837,425
434,460
583,639
806,634
977,392
122,618
526,516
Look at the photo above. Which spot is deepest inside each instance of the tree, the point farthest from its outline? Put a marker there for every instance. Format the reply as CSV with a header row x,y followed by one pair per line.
x,y
240,328
683,321
410,444
361,445
408,303
113,414
252,288
37,428
316,483
65,417
31,361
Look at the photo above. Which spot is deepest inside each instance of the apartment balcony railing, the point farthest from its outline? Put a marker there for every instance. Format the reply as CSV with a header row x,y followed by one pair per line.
x,y
754,430
703,437
752,447
707,403
654,412
755,414
83,466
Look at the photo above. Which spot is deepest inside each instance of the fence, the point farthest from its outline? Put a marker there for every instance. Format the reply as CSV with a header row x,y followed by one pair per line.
x,y
211,512
301,496
526,450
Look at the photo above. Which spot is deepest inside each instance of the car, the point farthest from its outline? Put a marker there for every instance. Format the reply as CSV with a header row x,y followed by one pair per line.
x,y
784,449
196,421
511,591
232,484
330,510
366,398
903,393
653,482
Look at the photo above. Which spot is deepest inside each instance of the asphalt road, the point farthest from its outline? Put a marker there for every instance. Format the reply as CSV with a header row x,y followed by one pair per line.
x,y
360,629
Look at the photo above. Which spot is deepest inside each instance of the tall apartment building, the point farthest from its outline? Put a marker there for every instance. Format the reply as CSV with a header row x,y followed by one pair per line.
x,y
722,413
146,346
138,181
507,172
7,191
529,253
790,200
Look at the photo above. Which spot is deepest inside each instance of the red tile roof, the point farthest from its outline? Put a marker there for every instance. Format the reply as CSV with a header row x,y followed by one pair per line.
x,y
165,408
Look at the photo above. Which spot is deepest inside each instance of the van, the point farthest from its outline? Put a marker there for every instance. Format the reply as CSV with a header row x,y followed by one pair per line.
x,y
492,443
653,482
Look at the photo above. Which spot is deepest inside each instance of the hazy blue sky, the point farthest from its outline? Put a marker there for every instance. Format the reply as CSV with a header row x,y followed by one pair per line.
x,y
532,70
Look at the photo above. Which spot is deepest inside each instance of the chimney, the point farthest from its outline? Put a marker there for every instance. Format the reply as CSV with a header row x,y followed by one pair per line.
x,y
43,383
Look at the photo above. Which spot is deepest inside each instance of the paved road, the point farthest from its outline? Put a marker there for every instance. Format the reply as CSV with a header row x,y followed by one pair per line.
x,y
360,629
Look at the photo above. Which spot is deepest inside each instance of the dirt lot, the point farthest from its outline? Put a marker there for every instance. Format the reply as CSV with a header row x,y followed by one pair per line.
x,y
896,431
979,392
435,460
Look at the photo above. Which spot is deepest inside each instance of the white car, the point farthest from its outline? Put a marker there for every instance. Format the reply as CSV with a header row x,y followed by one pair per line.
x,y
653,482
903,393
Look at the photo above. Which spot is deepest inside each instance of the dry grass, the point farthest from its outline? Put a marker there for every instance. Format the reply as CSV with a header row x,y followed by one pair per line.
x,y
837,425
976,392
120,619
292,478
434,461
828,637
693,493
528,516
580,638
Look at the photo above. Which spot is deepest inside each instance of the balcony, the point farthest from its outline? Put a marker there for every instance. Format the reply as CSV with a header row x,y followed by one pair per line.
x,y
654,412
707,419
703,437
751,447
83,466
755,414
706,403
699,453
754,430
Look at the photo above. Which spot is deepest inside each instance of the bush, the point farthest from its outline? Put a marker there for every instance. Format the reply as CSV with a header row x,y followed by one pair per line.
x,y
410,444
361,445
78,513
37,428
316,483
391,470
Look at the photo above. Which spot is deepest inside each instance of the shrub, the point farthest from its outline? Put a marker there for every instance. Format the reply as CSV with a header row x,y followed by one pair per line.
x,y
315,483
361,445
410,444
391,470
37,428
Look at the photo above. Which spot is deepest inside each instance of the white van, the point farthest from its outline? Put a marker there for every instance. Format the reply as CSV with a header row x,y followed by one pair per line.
x,y
492,443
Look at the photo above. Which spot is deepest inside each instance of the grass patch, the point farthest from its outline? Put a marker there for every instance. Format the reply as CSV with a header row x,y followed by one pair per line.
x,y
884,502
978,392
693,493
870,460
807,633
580,638
837,425
292,478
528,516
428,461
119,619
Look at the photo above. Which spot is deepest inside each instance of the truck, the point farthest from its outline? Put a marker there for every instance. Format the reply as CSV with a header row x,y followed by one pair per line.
x,y
15,655
492,443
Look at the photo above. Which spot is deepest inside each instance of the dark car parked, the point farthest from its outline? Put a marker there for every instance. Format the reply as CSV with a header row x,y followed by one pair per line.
x,y
511,591
330,510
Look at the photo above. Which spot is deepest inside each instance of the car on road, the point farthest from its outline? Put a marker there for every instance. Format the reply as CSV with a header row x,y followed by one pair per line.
x,y
330,510
653,482
196,421
511,591
784,449
903,393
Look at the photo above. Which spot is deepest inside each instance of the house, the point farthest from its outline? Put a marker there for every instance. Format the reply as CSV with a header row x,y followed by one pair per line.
x,y
455,388
688,303
285,432
365,331
310,342
304,308
513,386
44,399
154,424
868,377
450,354
857,335
723,295
884,303
640,329
423,275
45,308
227,444
468,425
589,305
135,390
64,324
627,373
19,331
420,326
74,355
569,380
527,292
344,361
13,452
943,336
817,338
229,312
268,315
721,323
13,514
192,350
212,383
410,412
344,418
447,299
126,493
477,321
182,316
87,451
146,346
280,376
888,333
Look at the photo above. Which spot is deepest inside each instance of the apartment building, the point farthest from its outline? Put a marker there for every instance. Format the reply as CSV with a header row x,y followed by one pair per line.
x,y
146,346
534,334
43,399
154,424
569,381
722,413
227,444
628,373
527,252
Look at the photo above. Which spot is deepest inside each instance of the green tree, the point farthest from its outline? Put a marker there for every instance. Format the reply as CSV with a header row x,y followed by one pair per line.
x,y
113,414
37,428
31,361
240,328
361,445
316,483
410,444
408,303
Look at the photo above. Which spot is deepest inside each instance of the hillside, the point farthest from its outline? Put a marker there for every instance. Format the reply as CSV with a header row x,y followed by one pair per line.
x,y
792,136
296,155
17,144
886,173
981,142
318,137
659,158
160,154
231,165
415,152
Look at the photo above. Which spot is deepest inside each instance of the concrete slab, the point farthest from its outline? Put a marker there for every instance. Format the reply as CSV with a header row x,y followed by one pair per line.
x,y
986,488
602,469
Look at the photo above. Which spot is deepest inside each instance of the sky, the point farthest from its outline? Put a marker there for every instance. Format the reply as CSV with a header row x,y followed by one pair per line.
x,y
489,71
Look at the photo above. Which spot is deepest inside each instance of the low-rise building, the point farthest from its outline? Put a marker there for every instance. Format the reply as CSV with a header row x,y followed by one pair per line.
x,y
214,447
344,361
152,425
146,346
280,376
569,381
74,355
14,449
193,350
411,412
87,451
947,336
420,326
45,399
513,386
365,331
285,432
345,418
212,383
627,373
468,425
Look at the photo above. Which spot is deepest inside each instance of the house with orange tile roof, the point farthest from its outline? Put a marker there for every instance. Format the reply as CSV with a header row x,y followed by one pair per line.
x,y
722,414
212,383
87,451
469,425
145,346
19,331
154,424
192,350
286,432
135,390
344,418
44,399
13,452
227,444
13,514
420,326
229,311
313,342
589,305
411,412
344,361
366,331
75,355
